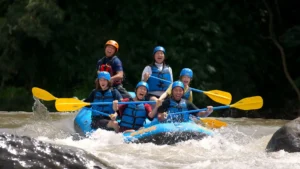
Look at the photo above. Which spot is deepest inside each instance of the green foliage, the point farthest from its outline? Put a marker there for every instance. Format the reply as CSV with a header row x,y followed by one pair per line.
x,y
55,45
15,99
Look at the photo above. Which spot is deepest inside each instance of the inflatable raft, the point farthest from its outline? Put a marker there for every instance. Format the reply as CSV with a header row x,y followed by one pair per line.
x,y
154,132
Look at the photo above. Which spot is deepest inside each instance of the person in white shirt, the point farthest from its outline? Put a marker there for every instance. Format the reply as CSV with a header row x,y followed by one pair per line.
x,y
158,69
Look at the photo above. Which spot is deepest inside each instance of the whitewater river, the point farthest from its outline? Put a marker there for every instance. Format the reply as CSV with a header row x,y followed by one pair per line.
x,y
241,145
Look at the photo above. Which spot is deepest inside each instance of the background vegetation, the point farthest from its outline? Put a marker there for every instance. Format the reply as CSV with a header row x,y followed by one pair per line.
x,y
236,46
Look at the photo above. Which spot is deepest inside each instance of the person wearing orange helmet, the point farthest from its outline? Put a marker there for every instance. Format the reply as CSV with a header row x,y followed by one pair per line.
x,y
112,64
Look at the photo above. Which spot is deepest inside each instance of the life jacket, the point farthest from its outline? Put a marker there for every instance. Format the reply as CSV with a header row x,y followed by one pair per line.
x,y
106,97
156,84
187,94
108,68
133,116
175,107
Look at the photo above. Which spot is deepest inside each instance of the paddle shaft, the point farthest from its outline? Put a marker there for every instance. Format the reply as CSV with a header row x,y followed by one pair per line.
x,y
193,89
138,102
104,114
204,109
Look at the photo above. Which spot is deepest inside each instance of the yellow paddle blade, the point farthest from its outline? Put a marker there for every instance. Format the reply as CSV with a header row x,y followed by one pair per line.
x,y
249,103
69,104
213,123
42,94
219,96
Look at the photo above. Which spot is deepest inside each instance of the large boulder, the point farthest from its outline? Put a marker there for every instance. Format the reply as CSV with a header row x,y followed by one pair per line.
x,y
24,152
286,138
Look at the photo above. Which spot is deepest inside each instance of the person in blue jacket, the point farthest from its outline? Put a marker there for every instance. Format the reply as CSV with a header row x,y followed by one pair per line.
x,y
133,116
112,64
158,69
177,104
104,93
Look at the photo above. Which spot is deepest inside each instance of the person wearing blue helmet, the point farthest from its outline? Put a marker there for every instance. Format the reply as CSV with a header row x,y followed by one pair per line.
x,y
104,93
186,76
133,116
158,69
176,103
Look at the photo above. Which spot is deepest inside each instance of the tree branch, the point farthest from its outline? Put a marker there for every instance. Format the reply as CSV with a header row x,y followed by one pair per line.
x,y
282,53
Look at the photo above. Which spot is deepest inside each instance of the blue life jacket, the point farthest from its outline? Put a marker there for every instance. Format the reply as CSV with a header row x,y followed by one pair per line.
x,y
133,116
99,97
175,107
187,94
156,84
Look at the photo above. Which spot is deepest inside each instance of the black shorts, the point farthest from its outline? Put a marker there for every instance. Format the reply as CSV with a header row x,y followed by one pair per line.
x,y
122,91
148,96
99,122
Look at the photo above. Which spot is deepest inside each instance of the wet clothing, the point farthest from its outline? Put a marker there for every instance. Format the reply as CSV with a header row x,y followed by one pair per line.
x,y
171,106
98,120
133,116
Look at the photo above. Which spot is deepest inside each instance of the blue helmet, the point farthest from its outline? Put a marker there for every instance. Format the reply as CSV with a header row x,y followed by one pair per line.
x,y
159,48
177,84
186,72
142,83
105,75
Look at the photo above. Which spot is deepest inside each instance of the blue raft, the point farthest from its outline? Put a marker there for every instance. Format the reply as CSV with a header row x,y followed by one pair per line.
x,y
154,132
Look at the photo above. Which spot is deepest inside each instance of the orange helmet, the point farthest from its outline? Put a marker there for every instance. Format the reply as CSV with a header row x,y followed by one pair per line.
x,y
112,43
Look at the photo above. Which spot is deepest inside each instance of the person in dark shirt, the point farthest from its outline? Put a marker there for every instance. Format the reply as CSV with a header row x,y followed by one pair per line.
x,y
133,116
177,104
104,93
112,64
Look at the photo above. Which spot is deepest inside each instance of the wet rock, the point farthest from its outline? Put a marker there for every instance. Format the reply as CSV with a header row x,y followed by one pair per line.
x,y
286,138
18,152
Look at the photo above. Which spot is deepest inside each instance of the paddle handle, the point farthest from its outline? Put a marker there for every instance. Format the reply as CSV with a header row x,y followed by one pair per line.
x,y
199,110
138,102
193,89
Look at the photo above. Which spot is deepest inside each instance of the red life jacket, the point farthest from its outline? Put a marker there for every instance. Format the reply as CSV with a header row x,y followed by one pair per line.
x,y
107,67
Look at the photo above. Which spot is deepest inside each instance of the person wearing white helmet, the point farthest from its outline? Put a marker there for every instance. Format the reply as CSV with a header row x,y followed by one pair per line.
x,y
177,104
186,76
158,69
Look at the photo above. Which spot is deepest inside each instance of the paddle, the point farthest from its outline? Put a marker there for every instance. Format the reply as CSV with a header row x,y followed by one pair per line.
x,y
249,103
212,123
71,104
42,94
216,95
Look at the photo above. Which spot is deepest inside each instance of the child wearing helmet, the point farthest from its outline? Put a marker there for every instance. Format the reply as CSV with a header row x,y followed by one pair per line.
x,y
186,76
160,70
112,64
176,103
133,116
104,93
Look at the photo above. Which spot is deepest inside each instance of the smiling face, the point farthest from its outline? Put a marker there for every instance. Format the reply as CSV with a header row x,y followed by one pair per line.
x,y
177,93
110,50
185,80
103,83
141,92
159,57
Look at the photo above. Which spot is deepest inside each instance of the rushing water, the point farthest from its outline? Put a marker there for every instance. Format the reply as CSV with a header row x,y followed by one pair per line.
x,y
240,145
